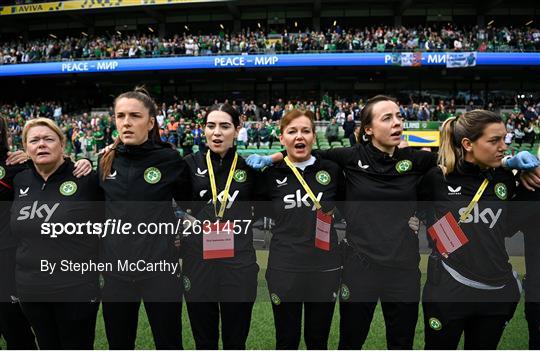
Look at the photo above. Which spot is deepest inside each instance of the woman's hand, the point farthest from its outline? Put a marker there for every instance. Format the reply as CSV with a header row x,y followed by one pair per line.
x,y
258,161
17,157
82,168
531,180
414,224
523,161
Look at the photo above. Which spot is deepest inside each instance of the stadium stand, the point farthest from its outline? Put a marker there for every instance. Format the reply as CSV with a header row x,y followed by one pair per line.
x,y
370,39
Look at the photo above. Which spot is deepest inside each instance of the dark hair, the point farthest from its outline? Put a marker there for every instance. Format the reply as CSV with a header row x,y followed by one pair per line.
x,y
294,114
4,146
228,109
366,116
471,125
142,95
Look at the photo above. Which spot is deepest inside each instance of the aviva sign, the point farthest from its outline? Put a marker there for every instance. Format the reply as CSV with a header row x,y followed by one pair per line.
x,y
86,4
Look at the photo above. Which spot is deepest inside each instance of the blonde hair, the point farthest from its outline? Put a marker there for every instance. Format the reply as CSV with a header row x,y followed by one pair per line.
x,y
471,125
43,122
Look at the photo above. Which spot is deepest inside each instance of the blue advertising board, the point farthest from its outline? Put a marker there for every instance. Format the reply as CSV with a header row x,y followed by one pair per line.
x,y
261,61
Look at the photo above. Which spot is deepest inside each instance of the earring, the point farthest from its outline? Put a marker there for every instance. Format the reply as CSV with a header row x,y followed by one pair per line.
x,y
365,138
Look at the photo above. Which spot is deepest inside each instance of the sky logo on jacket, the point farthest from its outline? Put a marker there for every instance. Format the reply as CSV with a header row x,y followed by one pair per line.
x,y
36,210
297,200
230,199
486,216
454,191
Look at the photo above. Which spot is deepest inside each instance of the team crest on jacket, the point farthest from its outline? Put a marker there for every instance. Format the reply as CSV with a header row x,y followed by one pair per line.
x,y
240,175
345,292
435,324
187,283
500,191
68,188
152,175
403,166
275,299
323,177
2,172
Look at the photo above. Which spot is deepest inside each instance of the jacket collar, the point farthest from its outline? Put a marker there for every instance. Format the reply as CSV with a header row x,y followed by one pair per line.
x,y
229,155
468,168
65,168
379,155
316,165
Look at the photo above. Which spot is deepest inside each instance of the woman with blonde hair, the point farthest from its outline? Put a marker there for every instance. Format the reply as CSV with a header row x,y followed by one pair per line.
x,y
471,288
61,305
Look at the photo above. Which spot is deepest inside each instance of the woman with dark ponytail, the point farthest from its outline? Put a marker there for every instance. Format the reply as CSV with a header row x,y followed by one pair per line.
x,y
140,176
471,287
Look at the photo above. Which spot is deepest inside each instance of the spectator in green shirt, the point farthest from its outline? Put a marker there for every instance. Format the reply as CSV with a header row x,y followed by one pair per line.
x,y
186,142
99,137
332,131
88,144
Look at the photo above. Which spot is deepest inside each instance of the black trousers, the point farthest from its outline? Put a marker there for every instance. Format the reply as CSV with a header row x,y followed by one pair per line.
x,y
13,324
313,293
481,333
215,291
532,313
162,296
452,309
363,285
63,325
235,323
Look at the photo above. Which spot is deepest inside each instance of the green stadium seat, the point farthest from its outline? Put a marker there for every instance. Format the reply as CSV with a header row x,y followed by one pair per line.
x,y
244,153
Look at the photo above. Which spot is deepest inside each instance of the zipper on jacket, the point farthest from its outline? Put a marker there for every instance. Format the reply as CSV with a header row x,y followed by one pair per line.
x,y
43,186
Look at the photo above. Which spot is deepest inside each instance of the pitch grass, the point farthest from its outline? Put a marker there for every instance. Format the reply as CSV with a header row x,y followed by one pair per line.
x,y
262,334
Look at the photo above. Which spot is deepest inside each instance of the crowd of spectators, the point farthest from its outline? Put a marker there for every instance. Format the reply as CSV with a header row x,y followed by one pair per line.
x,y
181,122
336,39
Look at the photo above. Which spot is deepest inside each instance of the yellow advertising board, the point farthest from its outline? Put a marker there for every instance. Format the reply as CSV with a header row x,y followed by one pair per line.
x,y
85,4
422,138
